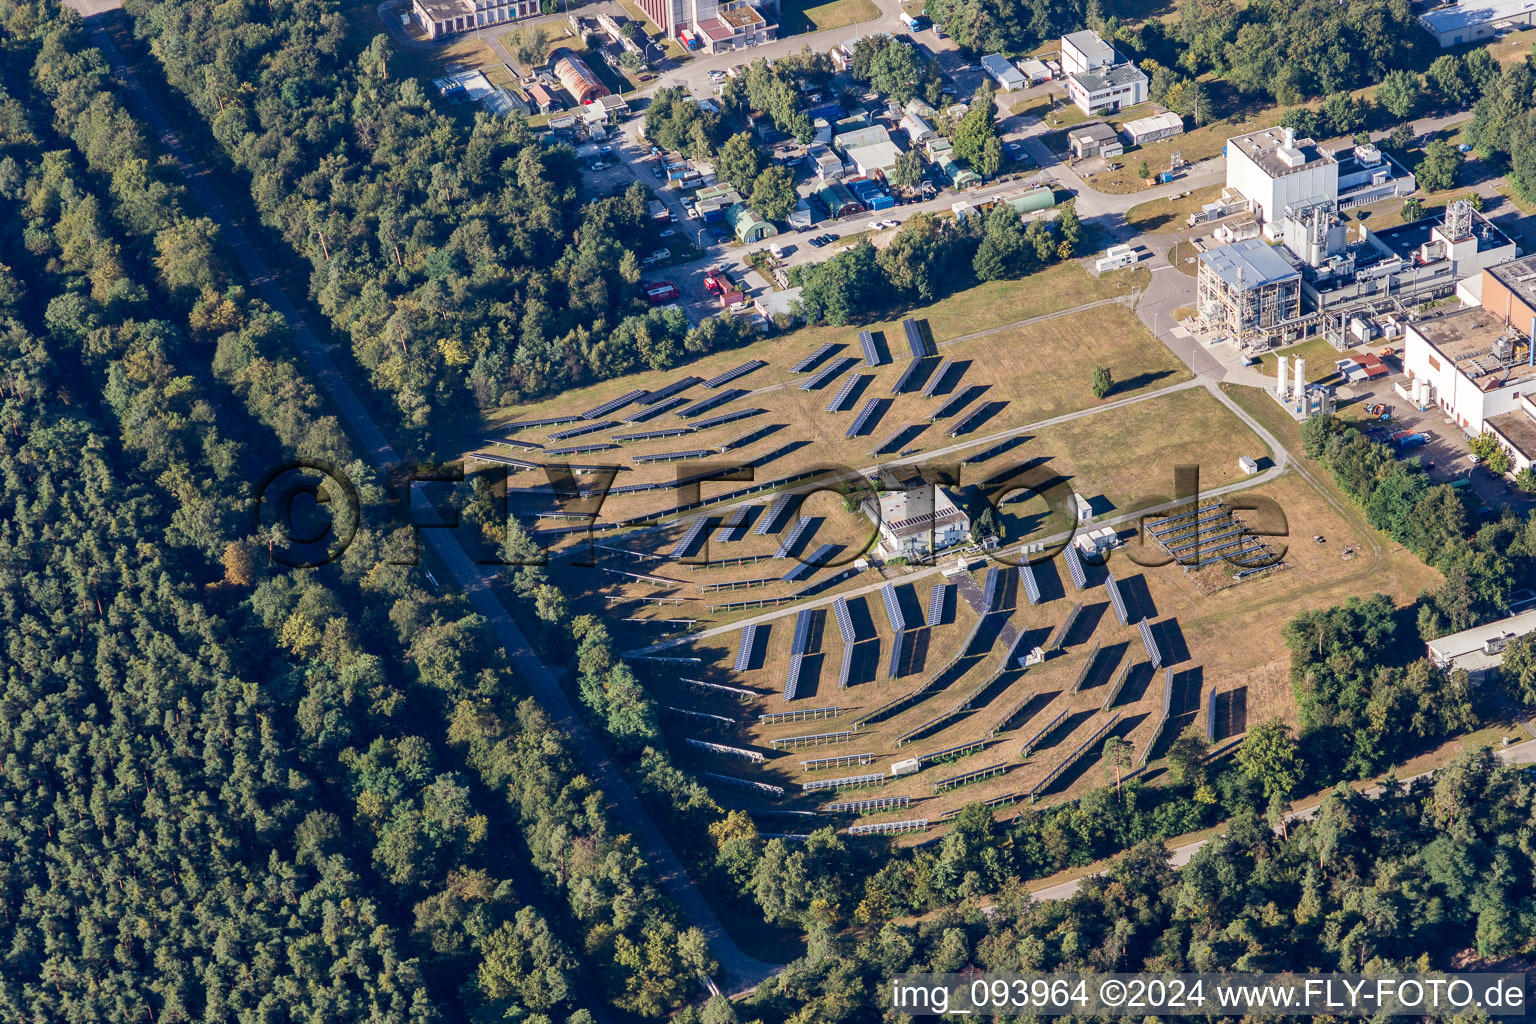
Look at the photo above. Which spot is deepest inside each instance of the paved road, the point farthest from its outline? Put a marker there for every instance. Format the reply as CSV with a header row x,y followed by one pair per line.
x,y
1519,753
741,970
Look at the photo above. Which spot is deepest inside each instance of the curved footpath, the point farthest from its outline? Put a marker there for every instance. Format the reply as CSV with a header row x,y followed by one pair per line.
x,y
741,971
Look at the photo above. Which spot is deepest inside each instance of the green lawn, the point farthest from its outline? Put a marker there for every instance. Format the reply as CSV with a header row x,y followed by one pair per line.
x,y
798,16
1172,213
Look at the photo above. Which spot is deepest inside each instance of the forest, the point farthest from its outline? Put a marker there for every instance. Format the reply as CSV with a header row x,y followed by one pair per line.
x,y
236,791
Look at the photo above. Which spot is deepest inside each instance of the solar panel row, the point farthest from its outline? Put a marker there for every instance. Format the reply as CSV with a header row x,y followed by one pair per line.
x,y
692,453
1150,642
744,648
667,405
1116,601
651,435
504,460
898,646
840,400
773,518
805,365
792,677
900,387
956,402
577,449
734,373
937,378
585,428
1075,567
862,419
936,598
844,620
893,607
613,404
805,568
547,421
915,340
794,536
871,353
695,528
802,631
669,390
703,405
1031,585
736,524
989,595
727,417
513,442
826,373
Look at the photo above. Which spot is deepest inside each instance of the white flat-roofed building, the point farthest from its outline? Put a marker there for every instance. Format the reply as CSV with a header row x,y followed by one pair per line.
x,y
1273,169
1480,650
1473,20
1107,89
1479,366
1085,51
1002,71
917,519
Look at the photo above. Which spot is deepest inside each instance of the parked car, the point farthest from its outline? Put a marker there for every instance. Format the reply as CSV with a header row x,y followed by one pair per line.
x,y
817,242
667,233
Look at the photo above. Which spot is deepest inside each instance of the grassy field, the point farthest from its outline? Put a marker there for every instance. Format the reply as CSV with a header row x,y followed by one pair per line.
x,y
1319,354
1172,213
809,16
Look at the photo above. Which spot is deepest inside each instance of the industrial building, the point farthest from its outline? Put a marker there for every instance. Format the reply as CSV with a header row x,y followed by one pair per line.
x,y
1106,90
1085,51
1143,130
1035,71
1478,366
870,150
1002,71
440,18
1472,20
715,26
1273,169
1480,650
578,79
916,519
1096,139
1249,292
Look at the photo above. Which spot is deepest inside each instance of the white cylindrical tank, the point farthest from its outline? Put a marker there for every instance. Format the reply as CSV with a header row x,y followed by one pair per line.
x,y
1301,377
1281,376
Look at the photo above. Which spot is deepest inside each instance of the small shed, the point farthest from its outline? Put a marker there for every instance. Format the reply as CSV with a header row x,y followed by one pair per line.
x,y
1096,139
748,226
1248,465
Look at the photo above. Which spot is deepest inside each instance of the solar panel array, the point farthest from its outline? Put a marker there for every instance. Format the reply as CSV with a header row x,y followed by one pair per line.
x,y
900,386
773,518
1075,567
1060,636
862,418
585,428
744,648
871,353
793,538
844,620
839,401
1031,585
965,778
720,748
1116,601
691,453
892,441
937,378
915,340
850,782
577,449
667,405
1162,720
504,460
669,390
613,404
805,568
845,669
969,422
1082,673
513,442
804,365
736,524
1150,642
547,421
817,740
695,528
959,400
882,828
1066,762
1119,683
989,595
727,417
1044,731
936,598
898,646
826,373
735,372
651,435
876,803
792,677
893,607
703,405
802,631
959,748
